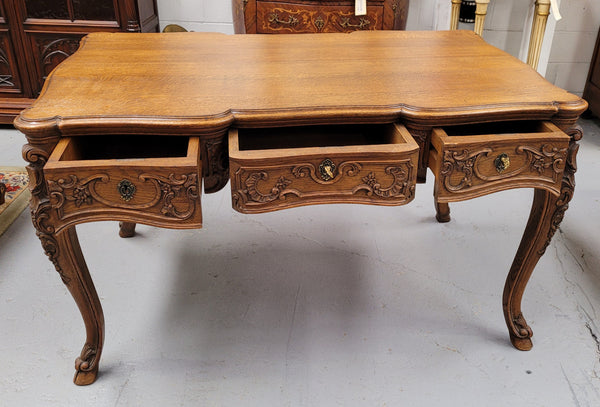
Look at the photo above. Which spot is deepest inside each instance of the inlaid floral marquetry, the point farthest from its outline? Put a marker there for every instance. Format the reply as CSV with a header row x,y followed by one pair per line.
x,y
301,16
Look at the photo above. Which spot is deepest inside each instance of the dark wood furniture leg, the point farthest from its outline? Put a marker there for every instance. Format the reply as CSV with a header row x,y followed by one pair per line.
x,y
442,212
546,215
2,191
126,229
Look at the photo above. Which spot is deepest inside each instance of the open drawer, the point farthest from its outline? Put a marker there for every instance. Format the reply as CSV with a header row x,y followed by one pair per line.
x,y
280,168
147,179
474,160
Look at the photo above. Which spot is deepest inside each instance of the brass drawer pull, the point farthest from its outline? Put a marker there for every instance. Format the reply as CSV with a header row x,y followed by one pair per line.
x,y
502,162
362,23
291,21
327,169
126,189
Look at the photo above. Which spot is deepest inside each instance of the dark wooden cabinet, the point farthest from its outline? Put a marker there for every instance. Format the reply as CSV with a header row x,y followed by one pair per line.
x,y
314,16
36,35
591,92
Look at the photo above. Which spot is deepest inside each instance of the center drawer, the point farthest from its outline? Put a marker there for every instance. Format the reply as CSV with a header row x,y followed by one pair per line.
x,y
147,179
279,168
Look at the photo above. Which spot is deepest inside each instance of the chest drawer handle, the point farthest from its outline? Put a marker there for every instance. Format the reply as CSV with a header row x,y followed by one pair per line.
x,y
274,18
362,23
126,189
502,162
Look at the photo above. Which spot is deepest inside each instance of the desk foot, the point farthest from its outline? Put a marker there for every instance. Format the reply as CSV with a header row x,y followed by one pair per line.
x,y
442,212
523,344
126,229
86,366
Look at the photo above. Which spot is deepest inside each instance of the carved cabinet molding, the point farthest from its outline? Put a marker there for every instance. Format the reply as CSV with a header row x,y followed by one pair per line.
x,y
37,35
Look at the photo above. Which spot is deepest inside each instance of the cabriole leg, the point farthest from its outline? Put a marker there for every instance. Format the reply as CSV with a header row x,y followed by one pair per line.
x,y
539,229
546,215
65,253
63,250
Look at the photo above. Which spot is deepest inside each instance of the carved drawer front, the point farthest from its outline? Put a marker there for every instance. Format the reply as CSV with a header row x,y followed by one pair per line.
x,y
280,168
474,160
274,17
148,179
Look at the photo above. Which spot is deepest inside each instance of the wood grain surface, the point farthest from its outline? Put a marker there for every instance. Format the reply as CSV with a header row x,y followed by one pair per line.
x,y
206,82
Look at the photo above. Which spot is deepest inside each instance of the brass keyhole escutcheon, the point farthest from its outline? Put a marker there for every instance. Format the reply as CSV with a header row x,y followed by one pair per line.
x,y
126,189
502,162
327,169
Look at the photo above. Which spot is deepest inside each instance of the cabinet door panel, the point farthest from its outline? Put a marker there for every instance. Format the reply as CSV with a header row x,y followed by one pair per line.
x,y
102,10
10,82
47,9
9,73
49,50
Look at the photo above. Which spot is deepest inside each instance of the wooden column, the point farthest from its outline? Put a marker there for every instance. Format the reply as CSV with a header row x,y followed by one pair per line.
x,y
455,14
480,13
538,28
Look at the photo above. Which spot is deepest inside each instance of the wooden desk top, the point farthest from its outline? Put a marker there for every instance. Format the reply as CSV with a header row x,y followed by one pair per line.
x,y
202,83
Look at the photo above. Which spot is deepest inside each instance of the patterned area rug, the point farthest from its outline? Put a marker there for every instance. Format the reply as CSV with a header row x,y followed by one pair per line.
x,y
16,196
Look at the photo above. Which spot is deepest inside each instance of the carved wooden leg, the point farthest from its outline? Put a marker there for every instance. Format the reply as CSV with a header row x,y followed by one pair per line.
x,y
442,209
126,229
546,214
62,248
65,253
442,212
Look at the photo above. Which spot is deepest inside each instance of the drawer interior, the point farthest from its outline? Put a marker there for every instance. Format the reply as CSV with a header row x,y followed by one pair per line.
x,y
120,147
500,128
317,136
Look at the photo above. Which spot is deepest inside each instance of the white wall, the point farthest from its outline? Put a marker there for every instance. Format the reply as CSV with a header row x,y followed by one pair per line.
x,y
570,50
573,44
197,15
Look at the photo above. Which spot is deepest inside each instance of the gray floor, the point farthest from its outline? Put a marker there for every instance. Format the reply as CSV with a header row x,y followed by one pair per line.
x,y
317,306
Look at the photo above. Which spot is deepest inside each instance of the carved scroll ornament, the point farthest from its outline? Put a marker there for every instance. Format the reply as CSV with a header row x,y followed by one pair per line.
x,y
537,159
567,186
42,212
401,188
83,192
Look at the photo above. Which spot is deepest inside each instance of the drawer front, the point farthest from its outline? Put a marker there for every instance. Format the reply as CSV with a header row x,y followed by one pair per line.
x,y
268,180
159,191
467,166
273,18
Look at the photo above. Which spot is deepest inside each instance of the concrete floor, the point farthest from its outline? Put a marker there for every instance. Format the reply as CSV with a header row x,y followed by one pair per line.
x,y
318,306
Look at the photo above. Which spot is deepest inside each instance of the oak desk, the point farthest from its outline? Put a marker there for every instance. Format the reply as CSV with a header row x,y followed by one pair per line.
x,y
131,126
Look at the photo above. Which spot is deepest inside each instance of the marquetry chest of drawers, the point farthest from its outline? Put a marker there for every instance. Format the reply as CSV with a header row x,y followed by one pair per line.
x,y
315,16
